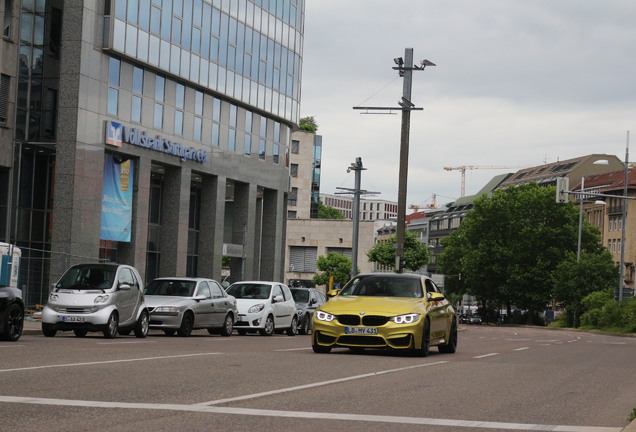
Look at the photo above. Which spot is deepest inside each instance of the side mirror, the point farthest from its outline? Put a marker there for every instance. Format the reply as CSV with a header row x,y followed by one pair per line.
x,y
313,301
332,293
199,297
124,286
277,299
434,297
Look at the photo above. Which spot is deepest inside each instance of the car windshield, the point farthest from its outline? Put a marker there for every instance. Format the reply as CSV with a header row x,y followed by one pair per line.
x,y
380,286
300,296
87,278
249,291
170,287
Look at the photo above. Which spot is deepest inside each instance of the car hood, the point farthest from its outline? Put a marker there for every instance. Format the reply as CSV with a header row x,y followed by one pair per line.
x,y
155,300
372,305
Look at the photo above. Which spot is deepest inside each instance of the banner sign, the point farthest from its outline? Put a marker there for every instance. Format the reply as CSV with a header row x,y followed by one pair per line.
x,y
117,195
117,134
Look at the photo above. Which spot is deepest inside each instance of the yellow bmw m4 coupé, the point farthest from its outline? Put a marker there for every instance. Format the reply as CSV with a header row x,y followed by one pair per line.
x,y
405,312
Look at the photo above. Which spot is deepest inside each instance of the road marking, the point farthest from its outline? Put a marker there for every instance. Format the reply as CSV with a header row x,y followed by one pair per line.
x,y
317,384
486,355
11,346
521,349
124,343
293,349
107,362
308,415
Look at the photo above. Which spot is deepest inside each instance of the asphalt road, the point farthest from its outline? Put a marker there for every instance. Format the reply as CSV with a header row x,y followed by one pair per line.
x,y
501,378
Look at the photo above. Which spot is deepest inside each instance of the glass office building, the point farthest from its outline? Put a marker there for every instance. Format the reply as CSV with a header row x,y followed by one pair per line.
x,y
149,132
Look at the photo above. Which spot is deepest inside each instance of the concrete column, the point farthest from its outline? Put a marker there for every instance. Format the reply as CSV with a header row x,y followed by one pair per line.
x,y
243,228
273,244
211,227
174,221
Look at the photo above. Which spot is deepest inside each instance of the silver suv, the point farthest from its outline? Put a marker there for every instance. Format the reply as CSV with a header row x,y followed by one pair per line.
x,y
97,297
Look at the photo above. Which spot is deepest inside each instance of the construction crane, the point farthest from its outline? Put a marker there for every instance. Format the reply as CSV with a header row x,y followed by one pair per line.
x,y
432,205
463,169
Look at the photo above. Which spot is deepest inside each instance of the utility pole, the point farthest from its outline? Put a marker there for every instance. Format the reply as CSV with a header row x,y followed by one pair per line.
x,y
405,69
357,168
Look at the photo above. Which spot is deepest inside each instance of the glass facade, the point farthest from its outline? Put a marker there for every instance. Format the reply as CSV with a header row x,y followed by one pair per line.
x,y
250,51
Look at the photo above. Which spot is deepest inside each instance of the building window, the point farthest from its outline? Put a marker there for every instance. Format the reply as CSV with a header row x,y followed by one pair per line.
x,y
114,68
248,144
275,152
293,170
216,134
193,230
302,259
293,197
180,105
8,16
138,90
231,140
261,148
295,146
50,113
198,115
5,80
160,88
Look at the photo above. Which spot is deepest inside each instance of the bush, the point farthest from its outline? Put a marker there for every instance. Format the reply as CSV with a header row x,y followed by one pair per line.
x,y
612,316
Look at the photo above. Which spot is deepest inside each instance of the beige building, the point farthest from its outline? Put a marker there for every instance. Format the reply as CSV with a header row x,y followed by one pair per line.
x,y
370,209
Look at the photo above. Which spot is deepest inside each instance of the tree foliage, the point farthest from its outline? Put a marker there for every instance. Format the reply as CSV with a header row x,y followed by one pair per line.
x,y
509,245
328,212
308,124
416,253
332,264
574,279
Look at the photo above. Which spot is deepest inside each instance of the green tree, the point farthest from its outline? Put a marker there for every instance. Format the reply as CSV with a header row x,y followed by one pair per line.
x,y
328,212
510,243
332,264
416,253
574,279
308,124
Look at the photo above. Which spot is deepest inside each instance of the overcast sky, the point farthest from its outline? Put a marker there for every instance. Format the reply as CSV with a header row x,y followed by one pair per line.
x,y
517,83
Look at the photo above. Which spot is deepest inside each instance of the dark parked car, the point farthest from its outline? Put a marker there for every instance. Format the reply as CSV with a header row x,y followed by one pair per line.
x,y
307,301
11,314
474,319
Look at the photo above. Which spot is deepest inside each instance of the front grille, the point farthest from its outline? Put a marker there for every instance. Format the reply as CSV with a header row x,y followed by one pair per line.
x,y
352,320
374,320
74,310
361,340
324,339
404,341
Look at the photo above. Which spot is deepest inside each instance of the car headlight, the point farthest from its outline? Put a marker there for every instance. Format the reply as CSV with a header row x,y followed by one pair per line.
x,y
256,308
101,298
167,309
324,316
53,298
405,319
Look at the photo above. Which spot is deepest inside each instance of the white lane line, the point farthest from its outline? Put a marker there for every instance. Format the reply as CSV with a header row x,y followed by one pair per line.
x,y
521,349
11,346
107,362
124,343
293,349
310,415
486,355
317,384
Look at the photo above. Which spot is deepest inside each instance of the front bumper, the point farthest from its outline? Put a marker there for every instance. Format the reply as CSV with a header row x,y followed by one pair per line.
x,y
389,335
77,318
250,321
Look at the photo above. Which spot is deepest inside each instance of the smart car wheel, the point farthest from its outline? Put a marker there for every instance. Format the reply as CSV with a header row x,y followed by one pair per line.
x,y
451,344
268,329
14,323
186,325
228,325
426,340
293,329
110,332
48,330
80,332
141,327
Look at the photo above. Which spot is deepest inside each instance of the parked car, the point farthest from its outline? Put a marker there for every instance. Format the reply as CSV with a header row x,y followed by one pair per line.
x,y
403,312
183,304
97,297
11,314
307,301
474,320
265,307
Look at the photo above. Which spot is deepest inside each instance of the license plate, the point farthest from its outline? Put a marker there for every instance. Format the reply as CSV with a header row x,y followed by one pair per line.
x,y
361,330
72,319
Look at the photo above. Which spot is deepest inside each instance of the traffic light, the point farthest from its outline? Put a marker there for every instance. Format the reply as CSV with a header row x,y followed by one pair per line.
x,y
562,187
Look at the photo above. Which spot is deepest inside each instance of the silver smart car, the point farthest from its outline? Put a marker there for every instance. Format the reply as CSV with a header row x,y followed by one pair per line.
x,y
97,297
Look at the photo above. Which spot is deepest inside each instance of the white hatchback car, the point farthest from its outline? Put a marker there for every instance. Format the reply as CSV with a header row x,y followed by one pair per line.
x,y
97,297
265,307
